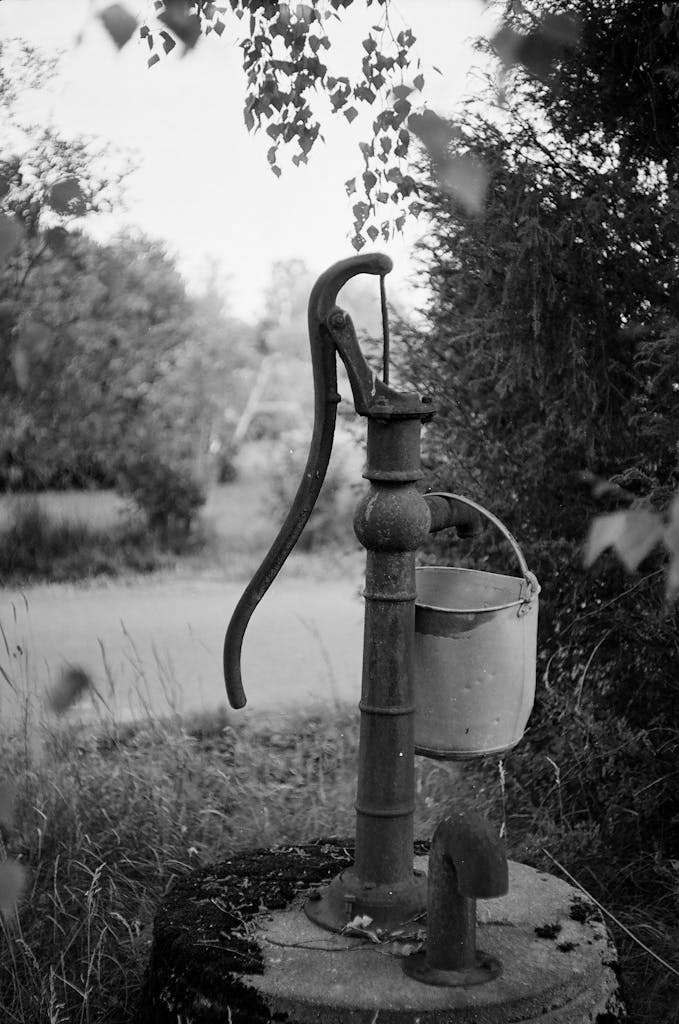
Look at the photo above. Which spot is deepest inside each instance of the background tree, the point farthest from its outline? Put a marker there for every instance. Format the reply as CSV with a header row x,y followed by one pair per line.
x,y
555,48
551,328
126,377
107,363
550,346
618,89
614,98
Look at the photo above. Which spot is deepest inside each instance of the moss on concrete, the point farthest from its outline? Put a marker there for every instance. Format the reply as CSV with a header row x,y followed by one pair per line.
x,y
203,935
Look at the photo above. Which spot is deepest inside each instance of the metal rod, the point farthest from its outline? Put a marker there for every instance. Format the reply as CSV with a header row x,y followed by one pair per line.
x,y
385,332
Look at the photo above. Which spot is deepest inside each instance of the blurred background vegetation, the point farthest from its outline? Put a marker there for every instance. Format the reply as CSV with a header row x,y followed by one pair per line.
x,y
118,381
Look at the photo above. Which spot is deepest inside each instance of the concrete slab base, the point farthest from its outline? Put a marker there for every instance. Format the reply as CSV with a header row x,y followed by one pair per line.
x,y
232,945
558,966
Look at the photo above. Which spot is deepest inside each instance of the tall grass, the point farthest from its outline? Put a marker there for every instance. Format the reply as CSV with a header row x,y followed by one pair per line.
x,y
104,821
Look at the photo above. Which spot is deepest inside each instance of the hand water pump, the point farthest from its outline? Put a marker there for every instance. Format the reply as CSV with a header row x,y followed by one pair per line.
x,y
448,659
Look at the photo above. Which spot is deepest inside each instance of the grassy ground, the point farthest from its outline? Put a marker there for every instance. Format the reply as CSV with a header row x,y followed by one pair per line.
x,y
103,823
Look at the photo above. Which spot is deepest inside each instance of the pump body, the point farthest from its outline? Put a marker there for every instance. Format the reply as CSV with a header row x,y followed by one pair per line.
x,y
392,521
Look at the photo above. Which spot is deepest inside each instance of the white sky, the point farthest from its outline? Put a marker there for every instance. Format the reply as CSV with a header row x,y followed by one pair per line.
x,y
203,183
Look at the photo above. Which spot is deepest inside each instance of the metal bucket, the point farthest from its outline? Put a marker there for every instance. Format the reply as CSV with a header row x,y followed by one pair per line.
x,y
475,655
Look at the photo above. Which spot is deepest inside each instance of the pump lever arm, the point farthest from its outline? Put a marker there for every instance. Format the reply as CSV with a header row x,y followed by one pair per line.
x,y
330,331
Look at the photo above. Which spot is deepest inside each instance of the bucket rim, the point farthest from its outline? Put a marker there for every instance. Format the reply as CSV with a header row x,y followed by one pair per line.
x,y
472,611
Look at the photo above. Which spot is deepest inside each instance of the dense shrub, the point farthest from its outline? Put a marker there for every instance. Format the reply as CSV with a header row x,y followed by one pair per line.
x,y
548,345
593,783
35,547
168,494
20,475
611,635
550,349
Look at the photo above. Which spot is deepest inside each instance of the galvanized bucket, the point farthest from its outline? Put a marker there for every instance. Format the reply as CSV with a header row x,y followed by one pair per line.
x,y
475,654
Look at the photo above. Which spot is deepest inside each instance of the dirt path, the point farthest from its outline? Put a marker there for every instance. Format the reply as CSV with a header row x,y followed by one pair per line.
x,y
157,644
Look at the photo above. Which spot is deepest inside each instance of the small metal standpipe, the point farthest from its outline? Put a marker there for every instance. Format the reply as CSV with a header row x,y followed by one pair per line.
x,y
466,862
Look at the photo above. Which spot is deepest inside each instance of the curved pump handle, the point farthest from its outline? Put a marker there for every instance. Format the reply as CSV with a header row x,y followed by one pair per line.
x,y
330,331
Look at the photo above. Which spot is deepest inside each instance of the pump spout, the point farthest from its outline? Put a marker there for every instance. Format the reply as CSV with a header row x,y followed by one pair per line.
x,y
326,342
452,510
466,862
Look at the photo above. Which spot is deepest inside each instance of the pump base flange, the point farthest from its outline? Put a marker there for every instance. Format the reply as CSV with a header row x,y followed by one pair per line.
x,y
485,969
391,908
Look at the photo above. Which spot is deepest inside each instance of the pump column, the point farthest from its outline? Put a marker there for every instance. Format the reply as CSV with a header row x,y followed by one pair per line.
x,y
391,522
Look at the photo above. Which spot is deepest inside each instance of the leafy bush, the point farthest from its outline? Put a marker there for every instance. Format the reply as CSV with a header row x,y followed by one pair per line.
x,y
548,346
18,474
168,494
608,636
35,547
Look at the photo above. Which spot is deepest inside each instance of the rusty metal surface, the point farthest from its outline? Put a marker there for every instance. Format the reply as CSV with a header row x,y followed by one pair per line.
x,y
447,512
467,862
391,908
391,522
485,968
372,397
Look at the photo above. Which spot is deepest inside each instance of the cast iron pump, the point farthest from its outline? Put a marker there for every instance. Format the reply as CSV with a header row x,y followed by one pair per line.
x,y
392,521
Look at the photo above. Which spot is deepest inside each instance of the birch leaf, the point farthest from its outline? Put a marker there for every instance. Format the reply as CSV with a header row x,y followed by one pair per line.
x,y
466,178
632,535
119,23
72,683
66,197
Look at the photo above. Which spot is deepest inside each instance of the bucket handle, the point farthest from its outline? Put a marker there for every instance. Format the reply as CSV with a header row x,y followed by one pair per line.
x,y
532,585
